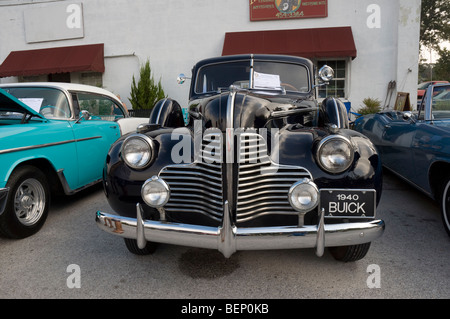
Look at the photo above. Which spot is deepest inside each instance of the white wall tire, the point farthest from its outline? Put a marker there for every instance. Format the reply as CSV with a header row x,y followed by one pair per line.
x,y
27,203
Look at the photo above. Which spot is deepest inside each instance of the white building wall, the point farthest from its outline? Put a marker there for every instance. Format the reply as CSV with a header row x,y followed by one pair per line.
x,y
176,34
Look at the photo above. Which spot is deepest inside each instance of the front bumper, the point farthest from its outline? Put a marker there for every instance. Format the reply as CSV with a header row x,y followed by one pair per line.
x,y
228,238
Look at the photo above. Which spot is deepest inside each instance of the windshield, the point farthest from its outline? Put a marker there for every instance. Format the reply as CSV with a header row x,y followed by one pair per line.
x,y
423,86
49,102
267,75
441,102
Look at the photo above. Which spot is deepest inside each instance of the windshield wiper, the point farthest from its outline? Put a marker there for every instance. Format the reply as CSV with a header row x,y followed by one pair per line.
x,y
28,116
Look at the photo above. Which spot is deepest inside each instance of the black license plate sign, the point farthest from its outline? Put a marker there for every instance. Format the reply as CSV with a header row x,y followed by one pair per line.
x,y
348,203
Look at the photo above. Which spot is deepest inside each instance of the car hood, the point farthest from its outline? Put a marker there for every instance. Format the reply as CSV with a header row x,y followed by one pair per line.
x,y
9,103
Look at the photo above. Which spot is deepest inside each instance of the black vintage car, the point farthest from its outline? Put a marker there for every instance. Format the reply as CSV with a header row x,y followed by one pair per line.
x,y
258,164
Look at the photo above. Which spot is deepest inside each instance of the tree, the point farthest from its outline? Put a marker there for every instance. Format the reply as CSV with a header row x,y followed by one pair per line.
x,y
435,23
146,92
441,70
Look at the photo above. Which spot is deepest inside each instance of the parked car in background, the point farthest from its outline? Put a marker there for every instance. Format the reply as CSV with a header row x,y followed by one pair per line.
x,y
416,146
423,87
54,138
260,165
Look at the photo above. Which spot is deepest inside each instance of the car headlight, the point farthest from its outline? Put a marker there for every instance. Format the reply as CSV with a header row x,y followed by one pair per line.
x,y
155,192
335,154
303,195
138,151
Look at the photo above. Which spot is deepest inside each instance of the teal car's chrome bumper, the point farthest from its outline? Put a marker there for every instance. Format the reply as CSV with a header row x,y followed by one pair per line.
x,y
228,238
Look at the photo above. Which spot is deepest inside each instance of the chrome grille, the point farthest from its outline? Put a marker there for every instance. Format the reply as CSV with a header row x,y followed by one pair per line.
x,y
197,187
263,185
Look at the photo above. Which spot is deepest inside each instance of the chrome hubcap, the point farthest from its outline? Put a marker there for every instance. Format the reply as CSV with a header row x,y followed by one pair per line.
x,y
29,202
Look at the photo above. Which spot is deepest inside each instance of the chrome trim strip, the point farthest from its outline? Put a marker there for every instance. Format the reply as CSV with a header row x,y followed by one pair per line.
x,y
229,140
160,109
252,71
33,147
338,114
287,112
229,182
65,185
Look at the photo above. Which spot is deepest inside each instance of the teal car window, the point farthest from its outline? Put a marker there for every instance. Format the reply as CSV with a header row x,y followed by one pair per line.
x,y
51,103
99,107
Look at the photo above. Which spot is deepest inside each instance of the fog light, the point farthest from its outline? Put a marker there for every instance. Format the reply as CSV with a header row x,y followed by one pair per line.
x,y
303,195
155,192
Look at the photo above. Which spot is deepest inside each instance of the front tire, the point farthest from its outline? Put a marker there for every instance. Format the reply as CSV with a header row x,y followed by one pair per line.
x,y
445,207
133,247
350,253
27,203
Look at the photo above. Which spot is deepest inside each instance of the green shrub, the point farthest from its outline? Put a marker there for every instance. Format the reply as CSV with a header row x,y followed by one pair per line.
x,y
371,106
146,92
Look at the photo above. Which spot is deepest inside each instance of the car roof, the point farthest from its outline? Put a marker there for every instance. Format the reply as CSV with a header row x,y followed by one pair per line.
x,y
63,86
269,57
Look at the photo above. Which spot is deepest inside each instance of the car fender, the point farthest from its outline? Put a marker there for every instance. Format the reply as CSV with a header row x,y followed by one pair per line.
x,y
33,142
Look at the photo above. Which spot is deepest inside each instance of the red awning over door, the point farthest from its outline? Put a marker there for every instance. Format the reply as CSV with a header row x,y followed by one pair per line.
x,y
54,60
308,43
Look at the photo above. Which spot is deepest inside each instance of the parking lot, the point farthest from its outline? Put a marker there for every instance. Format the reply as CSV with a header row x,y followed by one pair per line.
x,y
71,258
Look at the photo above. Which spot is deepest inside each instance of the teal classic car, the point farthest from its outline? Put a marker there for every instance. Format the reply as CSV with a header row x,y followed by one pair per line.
x,y
54,138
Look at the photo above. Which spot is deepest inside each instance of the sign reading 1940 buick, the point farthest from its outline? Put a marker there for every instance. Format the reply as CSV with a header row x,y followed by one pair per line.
x,y
287,9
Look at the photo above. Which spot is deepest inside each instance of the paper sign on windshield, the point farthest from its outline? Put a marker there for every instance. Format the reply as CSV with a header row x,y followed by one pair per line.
x,y
34,103
266,81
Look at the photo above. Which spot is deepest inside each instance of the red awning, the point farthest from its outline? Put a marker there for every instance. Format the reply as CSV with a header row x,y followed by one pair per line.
x,y
54,60
308,43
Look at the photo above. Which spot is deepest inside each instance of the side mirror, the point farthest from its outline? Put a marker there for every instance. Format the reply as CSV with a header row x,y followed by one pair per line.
x,y
84,115
408,116
182,78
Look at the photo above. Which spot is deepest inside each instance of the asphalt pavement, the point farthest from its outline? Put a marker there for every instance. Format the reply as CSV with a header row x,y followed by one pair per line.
x,y
71,258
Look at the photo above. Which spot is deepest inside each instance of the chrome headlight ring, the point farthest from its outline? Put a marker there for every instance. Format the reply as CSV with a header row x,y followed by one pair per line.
x,y
155,192
138,151
303,195
335,154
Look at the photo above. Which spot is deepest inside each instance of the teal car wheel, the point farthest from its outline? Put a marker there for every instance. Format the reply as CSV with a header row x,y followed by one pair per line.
x,y
27,204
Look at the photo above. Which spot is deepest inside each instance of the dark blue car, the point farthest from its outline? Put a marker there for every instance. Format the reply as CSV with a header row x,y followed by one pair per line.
x,y
416,145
